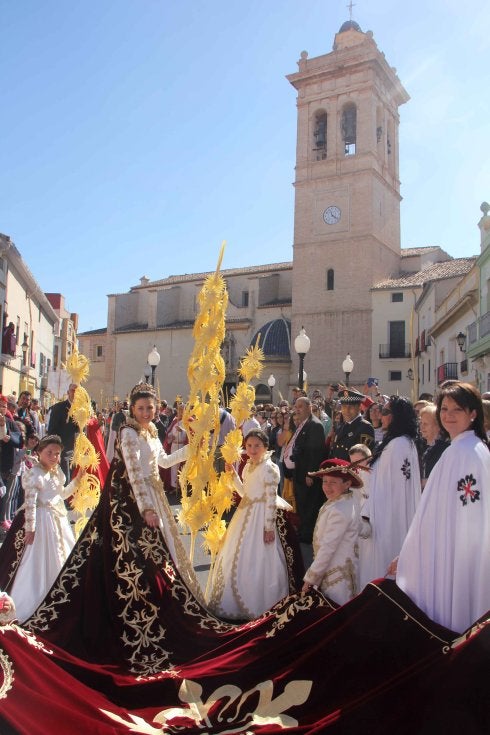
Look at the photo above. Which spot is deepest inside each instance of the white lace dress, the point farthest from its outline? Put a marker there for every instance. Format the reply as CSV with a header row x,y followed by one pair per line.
x,y
45,513
250,576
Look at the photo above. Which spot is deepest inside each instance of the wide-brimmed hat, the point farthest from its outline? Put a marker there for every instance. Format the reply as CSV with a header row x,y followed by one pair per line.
x,y
339,468
350,396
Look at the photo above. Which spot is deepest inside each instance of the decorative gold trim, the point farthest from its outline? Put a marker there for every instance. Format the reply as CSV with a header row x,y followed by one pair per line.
x,y
408,616
281,527
284,613
342,572
7,670
465,637
133,424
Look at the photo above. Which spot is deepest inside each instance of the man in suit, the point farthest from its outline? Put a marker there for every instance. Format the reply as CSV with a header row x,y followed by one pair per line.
x,y
64,426
354,429
305,453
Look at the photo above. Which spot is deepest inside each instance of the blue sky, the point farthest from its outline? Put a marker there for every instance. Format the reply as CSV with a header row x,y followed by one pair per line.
x,y
136,135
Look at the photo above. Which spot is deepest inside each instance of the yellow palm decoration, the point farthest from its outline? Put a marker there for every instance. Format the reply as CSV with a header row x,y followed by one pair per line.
x,y
206,373
242,402
213,535
231,451
205,496
78,367
87,492
251,366
85,453
82,503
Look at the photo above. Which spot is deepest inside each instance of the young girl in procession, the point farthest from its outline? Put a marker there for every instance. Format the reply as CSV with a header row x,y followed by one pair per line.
x,y
334,570
251,572
41,537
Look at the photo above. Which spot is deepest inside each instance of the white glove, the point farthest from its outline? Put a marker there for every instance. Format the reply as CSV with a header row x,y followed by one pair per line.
x,y
365,530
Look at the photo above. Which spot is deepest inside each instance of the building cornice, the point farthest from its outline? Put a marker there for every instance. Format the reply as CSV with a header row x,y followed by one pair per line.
x,y
9,251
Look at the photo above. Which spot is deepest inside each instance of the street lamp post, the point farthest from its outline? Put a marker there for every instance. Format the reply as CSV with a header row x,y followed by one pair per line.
x,y
271,381
153,362
461,341
147,373
302,346
347,367
25,364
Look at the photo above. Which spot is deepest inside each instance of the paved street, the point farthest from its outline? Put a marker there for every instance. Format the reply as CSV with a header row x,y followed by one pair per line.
x,y
201,561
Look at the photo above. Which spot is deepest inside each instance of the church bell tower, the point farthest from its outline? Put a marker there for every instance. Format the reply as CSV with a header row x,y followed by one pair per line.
x,y
347,199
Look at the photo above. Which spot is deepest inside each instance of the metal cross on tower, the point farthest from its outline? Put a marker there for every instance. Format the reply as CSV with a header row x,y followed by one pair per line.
x,y
350,6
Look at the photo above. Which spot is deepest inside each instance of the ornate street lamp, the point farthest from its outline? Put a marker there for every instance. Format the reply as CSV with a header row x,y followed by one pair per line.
x,y
461,340
25,349
153,362
271,381
302,346
347,367
147,373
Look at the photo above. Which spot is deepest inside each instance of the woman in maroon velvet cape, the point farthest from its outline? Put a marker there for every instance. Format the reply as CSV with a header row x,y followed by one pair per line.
x,y
127,596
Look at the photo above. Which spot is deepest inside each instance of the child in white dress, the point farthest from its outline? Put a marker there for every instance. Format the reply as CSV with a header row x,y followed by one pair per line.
x,y
250,573
48,537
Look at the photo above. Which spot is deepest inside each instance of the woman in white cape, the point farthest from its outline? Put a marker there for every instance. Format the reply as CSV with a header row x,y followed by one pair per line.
x,y
444,564
394,491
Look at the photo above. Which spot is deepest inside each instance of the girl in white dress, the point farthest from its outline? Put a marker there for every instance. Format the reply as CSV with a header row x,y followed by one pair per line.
x,y
48,537
250,573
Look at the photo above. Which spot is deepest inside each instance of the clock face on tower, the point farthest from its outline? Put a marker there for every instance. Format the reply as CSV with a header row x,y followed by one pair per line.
x,y
332,215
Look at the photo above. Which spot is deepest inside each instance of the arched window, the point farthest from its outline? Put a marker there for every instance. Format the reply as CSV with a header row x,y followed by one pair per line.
x,y
349,125
330,279
320,136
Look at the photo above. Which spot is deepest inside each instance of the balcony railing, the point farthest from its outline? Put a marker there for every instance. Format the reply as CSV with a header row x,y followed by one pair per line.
x,y
479,329
485,325
448,371
395,350
472,333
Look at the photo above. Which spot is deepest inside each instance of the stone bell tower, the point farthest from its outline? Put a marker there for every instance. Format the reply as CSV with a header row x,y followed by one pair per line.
x,y
347,199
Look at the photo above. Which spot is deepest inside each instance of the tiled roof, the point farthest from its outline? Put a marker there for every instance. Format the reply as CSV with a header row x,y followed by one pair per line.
x,y
186,277
435,272
410,252
102,330
275,338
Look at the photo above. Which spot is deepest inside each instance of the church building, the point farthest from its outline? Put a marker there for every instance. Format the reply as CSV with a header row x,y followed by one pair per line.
x,y
350,285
